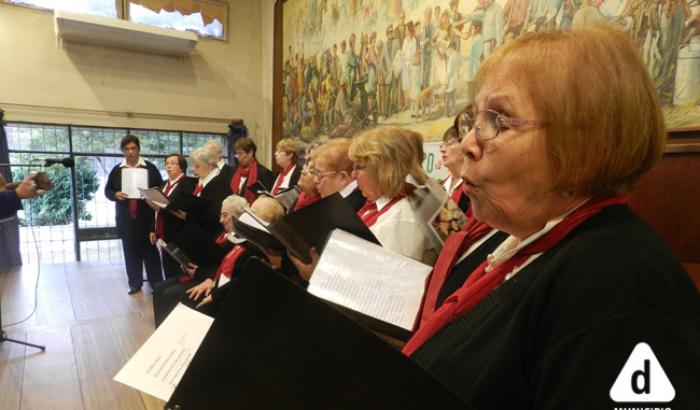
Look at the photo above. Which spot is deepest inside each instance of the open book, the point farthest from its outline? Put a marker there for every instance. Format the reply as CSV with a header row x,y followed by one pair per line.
x,y
369,279
441,215
311,226
298,353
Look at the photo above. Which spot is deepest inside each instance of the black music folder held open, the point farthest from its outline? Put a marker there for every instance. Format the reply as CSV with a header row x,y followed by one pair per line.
x,y
275,346
312,225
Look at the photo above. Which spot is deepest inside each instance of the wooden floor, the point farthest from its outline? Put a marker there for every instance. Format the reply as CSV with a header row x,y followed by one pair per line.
x,y
90,327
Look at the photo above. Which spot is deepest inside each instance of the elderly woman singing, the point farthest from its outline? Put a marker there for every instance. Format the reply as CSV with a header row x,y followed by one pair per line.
x,y
582,305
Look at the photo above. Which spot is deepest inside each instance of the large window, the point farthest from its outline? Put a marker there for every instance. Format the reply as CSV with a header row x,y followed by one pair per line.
x,y
208,18
75,221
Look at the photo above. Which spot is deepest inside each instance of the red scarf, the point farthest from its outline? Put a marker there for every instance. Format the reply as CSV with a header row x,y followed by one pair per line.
x,y
369,212
221,239
305,200
229,262
481,283
160,221
198,189
455,246
280,178
251,174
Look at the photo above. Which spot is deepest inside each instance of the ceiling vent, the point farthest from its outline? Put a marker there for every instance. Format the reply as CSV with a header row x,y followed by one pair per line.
x,y
123,34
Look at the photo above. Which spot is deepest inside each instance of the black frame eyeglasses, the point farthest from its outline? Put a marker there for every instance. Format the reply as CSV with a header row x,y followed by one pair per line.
x,y
488,124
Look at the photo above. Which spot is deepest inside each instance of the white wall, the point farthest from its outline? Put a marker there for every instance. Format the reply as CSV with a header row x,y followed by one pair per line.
x,y
43,81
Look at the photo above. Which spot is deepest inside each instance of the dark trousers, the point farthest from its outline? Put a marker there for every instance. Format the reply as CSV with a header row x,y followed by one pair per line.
x,y
167,294
137,253
171,268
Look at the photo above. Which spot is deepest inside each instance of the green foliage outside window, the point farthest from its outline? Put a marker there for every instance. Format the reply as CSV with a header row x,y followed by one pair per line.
x,y
54,207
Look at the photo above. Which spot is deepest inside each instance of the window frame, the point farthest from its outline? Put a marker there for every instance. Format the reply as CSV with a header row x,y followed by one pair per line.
x,y
122,11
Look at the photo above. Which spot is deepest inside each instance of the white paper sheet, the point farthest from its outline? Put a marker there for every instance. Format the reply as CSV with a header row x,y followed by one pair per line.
x,y
369,279
157,367
132,180
155,196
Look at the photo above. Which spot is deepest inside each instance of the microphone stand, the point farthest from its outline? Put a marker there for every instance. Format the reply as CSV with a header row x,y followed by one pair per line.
x,y
3,335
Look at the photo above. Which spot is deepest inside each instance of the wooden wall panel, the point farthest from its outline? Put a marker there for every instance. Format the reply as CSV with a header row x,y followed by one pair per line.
x,y
668,198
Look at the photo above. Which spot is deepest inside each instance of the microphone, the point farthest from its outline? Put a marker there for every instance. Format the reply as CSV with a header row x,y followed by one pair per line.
x,y
66,162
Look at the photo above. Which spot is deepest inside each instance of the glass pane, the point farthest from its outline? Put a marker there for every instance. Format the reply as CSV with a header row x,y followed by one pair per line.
x,y
102,250
97,140
158,142
94,209
192,140
104,8
46,222
30,137
192,20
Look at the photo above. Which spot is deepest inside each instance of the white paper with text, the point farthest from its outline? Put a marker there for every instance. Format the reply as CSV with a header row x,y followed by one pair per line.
x,y
367,278
157,367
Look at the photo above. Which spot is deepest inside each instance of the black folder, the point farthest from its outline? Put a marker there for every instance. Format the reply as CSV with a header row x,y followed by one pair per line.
x,y
312,225
274,346
188,203
198,245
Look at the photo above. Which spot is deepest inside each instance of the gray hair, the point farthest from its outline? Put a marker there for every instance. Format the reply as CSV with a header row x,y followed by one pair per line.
x,y
235,204
214,146
203,155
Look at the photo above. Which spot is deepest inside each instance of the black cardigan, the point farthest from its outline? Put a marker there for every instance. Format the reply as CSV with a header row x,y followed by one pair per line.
x,y
558,333
144,221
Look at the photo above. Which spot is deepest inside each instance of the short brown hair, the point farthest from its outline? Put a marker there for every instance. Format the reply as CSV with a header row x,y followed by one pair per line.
x,y
390,155
246,145
603,126
181,161
335,152
290,146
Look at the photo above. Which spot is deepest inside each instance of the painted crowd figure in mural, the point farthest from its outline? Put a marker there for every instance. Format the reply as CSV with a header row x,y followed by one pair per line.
x,y
351,65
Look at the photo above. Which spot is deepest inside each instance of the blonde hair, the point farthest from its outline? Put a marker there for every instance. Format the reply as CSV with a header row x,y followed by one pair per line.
x,y
389,156
268,209
335,153
603,126
415,139
290,146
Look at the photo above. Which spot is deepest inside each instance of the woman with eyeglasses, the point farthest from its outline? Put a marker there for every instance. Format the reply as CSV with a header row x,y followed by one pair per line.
x,y
582,305
333,172
307,183
286,157
387,168
453,159
249,171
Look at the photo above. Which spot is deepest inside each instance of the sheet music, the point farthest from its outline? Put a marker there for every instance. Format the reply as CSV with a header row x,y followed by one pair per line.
x,y
157,367
365,277
155,196
132,180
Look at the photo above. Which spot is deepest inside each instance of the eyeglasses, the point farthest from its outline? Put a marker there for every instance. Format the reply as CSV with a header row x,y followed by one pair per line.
x,y
449,143
319,175
241,153
357,167
488,124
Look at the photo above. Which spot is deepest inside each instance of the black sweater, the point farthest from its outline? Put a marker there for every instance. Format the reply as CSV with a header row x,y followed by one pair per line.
x,y
557,334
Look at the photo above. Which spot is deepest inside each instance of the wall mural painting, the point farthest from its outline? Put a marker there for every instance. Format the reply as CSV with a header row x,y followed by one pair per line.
x,y
355,64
